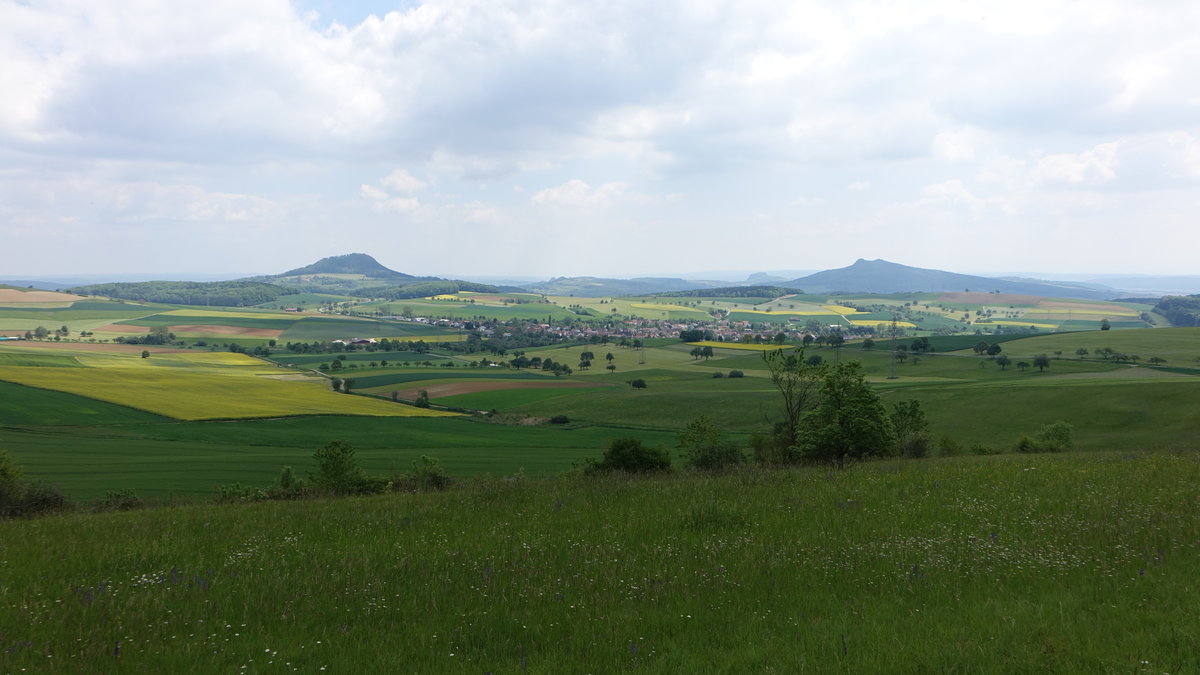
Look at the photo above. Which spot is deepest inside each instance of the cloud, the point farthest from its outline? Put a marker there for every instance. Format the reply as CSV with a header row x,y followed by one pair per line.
x,y
1093,166
576,193
403,182
226,113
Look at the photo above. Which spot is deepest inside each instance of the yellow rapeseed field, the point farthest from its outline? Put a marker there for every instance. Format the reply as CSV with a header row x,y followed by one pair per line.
x,y
738,345
195,386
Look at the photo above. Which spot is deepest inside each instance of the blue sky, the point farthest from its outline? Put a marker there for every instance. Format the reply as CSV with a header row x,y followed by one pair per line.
x,y
544,138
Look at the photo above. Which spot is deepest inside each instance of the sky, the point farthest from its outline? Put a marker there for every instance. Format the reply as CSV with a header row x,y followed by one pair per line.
x,y
538,138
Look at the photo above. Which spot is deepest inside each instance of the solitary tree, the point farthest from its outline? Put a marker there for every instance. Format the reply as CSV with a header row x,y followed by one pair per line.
x,y
1105,325
337,468
145,353
797,381
1081,352
1002,361
849,422
1041,362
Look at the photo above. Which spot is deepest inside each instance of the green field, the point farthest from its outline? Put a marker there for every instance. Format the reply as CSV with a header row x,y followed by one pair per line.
x,y
87,448
1083,563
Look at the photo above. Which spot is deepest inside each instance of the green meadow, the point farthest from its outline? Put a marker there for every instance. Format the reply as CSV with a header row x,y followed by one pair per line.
x,y
1047,563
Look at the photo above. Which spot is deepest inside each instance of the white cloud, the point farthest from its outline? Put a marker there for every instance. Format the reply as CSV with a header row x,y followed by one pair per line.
x,y
1093,166
403,182
952,193
226,112
576,193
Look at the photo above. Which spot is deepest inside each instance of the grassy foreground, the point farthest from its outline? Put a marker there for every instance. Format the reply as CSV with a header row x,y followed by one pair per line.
x,y
1074,563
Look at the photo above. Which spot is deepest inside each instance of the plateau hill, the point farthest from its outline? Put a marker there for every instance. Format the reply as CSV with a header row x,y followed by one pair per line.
x,y
881,276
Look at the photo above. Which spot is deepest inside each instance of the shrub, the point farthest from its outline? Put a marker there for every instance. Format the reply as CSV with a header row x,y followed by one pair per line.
x,y
338,470
948,447
1055,437
630,455
20,499
10,479
915,446
736,373
422,399
120,500
981,449
560,419
42,497
700,441
428,474
638,383
718,374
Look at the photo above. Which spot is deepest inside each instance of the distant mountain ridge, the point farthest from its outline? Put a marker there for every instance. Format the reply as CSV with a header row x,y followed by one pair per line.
x,y
882,276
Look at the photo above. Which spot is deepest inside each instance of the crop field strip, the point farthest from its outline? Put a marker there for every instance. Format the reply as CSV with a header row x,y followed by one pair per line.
x,y
197,385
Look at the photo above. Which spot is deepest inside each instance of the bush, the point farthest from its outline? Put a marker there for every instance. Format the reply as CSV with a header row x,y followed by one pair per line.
x,y
630,455
18,499
422,399
120,500
948,447
428,474
915,446
42,497
981,449
718,375
736,373
560,419
638,383
701,443
1055,437
338,470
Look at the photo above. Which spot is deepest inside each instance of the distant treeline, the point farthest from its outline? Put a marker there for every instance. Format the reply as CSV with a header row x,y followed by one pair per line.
x,y
216,293
733,292
421,289
1182,310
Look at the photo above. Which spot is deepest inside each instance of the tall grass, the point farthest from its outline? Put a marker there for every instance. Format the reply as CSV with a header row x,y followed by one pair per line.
x,y
1069,563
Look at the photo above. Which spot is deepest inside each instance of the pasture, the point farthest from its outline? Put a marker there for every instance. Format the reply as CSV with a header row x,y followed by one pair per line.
x,y
1076,563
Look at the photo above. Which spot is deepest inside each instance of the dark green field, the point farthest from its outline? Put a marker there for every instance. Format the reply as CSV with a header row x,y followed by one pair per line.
x,y
87,447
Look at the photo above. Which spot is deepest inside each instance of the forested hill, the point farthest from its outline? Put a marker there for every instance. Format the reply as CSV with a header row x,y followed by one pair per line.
x,y
1181,310
350,263
216,293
